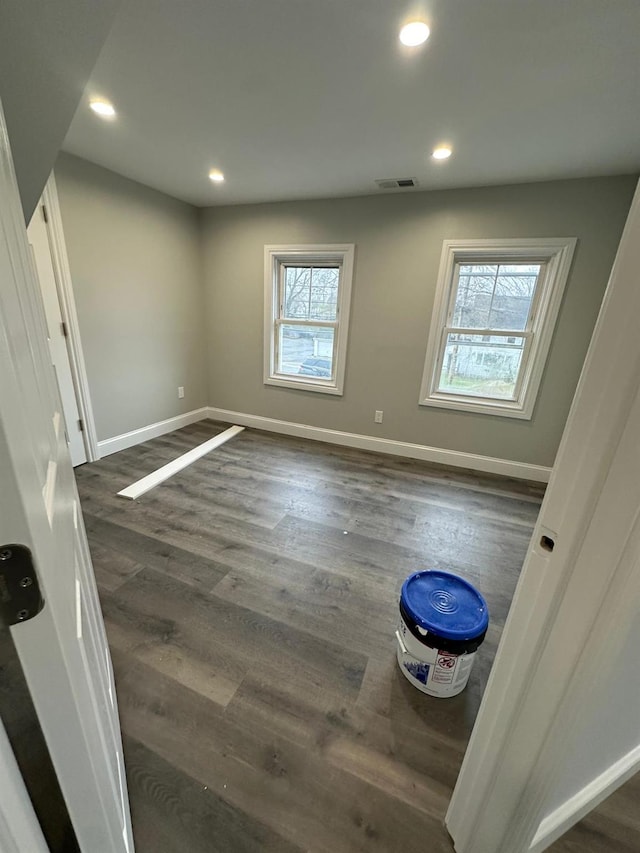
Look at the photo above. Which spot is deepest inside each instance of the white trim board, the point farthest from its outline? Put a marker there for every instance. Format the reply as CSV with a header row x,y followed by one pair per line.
x,y
580,804
454,458
439,455
146,433
139,488
69,313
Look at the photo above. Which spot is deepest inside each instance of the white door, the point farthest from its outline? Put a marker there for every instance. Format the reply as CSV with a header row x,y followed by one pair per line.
x,y
63,649
38,235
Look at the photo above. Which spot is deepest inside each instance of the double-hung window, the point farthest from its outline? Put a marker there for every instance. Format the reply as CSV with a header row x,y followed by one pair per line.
x,y
307,297
496,306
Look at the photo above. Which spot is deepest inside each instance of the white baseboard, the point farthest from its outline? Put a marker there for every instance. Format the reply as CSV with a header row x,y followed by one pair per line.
x,y
137,436
575,808
456,458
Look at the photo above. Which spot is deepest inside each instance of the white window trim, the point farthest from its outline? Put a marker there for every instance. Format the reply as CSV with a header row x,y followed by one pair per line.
x,y
273,256
557,254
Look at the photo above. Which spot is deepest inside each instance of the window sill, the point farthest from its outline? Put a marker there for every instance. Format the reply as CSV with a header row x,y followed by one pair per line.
x,y
319,386
504,409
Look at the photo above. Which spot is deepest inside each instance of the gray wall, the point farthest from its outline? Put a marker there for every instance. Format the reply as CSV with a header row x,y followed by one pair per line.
x,y
47,52
135,262
608,730
398,243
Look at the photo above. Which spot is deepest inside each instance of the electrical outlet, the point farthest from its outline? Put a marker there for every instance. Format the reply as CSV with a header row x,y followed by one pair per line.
x,y
180,392
378,416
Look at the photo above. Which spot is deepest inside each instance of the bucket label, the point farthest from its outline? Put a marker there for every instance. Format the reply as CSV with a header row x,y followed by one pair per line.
x,y
445,668
419,670
464,667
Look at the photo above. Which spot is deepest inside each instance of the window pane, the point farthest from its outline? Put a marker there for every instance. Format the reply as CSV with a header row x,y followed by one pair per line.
x,y
478,269
311,293
297,281
305,351
473,301
497,296
512,301
520,269
481,368
324,293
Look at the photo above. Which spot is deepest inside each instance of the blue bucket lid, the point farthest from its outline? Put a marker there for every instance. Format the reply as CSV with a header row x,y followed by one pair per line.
x,y
445,604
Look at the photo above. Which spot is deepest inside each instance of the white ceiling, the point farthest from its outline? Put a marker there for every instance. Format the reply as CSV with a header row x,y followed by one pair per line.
x,y
313,98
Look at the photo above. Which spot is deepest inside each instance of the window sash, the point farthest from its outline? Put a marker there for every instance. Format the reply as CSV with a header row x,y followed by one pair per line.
x,y
526,333
310,265
499,261
278,322
296,321
281,319
522,370
493,333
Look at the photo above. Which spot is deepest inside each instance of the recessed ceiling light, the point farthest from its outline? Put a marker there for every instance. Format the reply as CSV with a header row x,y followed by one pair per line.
x,y
414,33
102,108
443,152
216,176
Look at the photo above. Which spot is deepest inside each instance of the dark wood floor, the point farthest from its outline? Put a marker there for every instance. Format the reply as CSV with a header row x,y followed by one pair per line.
x,y
250,603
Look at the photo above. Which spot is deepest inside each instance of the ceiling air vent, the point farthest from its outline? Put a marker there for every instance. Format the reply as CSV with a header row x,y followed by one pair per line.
x,y
396,183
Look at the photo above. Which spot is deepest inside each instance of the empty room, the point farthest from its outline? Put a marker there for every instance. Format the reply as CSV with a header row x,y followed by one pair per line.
x,y
319,363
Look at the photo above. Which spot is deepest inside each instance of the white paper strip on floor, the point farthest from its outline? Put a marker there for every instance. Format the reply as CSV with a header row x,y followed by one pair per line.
x,y
156,477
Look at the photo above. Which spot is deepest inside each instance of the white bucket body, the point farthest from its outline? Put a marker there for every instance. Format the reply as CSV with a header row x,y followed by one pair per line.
x,y
437,673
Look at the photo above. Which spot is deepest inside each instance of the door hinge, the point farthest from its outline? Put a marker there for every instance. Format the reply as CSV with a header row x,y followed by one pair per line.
x,y
45,215
63,326
80,424
20,596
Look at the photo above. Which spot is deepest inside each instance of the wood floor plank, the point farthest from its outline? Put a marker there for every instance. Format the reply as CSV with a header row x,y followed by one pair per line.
x,y
172,812
112,567
173,658
229,638
408,763
204,499
149,551
322,603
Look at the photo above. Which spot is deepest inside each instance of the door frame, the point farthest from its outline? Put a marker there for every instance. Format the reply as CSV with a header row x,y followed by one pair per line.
x,y
19,827
502,770
535,694
64,284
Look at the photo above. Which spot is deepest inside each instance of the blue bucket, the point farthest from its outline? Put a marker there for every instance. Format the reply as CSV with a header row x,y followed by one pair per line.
x,y
443,622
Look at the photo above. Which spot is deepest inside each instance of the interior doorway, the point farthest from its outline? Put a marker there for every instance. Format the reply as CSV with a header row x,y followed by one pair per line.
x,y
46,240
